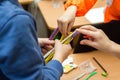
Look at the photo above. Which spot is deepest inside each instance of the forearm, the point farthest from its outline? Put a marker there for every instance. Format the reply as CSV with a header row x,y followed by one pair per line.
x,y
83,6
114,49
71,9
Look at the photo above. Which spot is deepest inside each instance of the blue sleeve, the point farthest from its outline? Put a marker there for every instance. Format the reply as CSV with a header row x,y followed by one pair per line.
x,y
20,54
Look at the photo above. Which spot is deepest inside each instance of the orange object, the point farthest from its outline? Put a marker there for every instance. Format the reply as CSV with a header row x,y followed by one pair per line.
x,y
112,12
83,6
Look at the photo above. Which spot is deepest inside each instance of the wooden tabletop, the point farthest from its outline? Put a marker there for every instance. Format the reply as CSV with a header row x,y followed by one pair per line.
x,y
23,2
51,14
109,62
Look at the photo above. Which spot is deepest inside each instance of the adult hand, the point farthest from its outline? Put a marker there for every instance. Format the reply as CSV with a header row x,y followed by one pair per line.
x,y
66,21
61,51
98,38
45,44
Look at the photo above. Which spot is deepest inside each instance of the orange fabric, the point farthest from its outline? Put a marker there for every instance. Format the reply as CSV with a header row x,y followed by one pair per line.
x,y
83,6
112,12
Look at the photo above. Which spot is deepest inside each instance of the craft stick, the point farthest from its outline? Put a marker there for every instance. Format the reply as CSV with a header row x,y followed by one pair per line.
x,y
48,56
75,33
54,34
90,75
99,65
61,42
80,76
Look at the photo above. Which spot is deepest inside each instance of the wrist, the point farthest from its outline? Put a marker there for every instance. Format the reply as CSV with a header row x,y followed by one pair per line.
x,y
72,9
58,59
114,48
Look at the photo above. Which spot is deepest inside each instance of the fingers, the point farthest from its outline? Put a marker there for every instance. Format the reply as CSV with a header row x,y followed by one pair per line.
x,y
87,30
89,27
60,25
49,42
69,27
46,48
44,51
57,42
63,27
65,24
65,30
88,42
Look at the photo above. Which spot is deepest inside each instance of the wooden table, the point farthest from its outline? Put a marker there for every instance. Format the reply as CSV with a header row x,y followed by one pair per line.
x,y
24,2
109,62
51,14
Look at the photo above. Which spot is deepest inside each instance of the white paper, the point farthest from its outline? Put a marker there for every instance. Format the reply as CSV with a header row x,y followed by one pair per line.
x,y
67,61
95,15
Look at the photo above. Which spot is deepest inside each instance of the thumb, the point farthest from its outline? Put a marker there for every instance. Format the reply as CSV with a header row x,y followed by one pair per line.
x,y
49,41
87,42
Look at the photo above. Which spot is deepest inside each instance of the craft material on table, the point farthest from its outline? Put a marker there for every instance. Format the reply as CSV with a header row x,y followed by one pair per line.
x,y
67,61
90,75
68,65
80,76
86,68
104,73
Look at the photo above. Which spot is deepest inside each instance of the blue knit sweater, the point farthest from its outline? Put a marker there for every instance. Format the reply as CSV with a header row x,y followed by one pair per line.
x,y
20,55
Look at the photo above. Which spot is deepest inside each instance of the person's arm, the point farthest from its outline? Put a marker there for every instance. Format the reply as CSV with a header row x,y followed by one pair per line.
x,y
115,49
21,57
83,6
73,8
99,40
66,21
